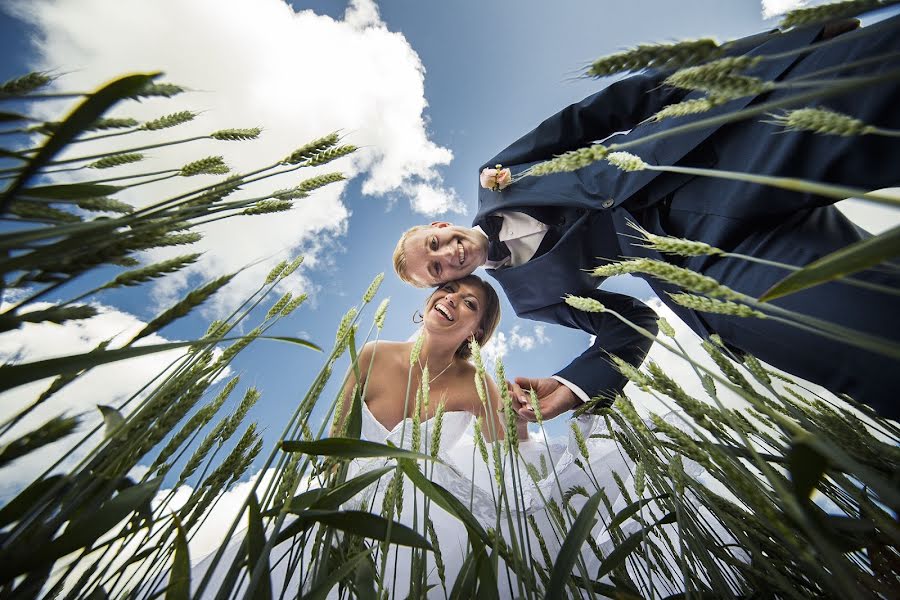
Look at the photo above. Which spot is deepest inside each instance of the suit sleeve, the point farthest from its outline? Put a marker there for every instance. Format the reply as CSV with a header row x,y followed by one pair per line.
x,y
593,370
618,107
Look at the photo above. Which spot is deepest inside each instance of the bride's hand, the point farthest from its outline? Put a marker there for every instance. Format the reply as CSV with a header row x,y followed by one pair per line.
x,y
490,178
554,397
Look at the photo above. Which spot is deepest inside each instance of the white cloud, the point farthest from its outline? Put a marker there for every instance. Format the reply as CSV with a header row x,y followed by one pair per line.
x,y
771,8
500,344
774,8
298,75
432,200
115,383
525,341
496,348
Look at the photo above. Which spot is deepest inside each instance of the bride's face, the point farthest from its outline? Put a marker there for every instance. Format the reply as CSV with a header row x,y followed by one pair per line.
x,y
454,310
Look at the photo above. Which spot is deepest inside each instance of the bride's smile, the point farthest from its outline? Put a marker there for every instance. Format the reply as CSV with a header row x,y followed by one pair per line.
x,y
454,308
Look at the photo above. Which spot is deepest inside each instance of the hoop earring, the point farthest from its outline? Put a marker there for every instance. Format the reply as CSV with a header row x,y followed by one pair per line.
x,y
418,317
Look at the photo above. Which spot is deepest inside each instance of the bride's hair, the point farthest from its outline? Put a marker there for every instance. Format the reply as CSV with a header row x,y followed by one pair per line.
x,y
490,314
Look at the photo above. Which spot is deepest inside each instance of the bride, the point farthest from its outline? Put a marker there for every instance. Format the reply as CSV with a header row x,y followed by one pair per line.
x,y
522,485
521,490
455,314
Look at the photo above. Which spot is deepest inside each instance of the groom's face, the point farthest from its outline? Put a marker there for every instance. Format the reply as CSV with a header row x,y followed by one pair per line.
x,y
443,252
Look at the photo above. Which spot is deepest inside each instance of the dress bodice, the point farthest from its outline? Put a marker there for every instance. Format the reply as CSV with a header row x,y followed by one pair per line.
x,y
453,424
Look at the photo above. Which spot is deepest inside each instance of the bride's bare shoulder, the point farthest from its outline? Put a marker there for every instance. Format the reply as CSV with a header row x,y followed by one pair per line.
x,y
385,353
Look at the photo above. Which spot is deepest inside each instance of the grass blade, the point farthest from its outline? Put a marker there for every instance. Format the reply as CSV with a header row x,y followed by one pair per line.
x,y
256,541
806,466
320,592
350,448
70,191
357,522
15,375
27,500
621,552
180,580
444,499
79,534
84,115
849,259
632,508
112,420
291,340
571,548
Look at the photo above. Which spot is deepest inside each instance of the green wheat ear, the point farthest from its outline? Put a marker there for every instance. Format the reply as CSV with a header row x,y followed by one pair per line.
x,y
188,303
236,135
211,165
381,313
659,56
373,288
116,160
264,207
25,84
703,304
164,90
569,161
626,161
688,107
167,121
312,148
829,12
722,82
585,304
672,245
824,121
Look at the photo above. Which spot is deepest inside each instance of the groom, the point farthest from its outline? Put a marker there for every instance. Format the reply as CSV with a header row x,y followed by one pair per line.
x,y
540,236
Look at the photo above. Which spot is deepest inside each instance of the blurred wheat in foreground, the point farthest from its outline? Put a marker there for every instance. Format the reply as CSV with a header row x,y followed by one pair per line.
x,y
793,495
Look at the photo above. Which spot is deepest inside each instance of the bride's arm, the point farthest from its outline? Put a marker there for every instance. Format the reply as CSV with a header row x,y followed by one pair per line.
x,y
347,395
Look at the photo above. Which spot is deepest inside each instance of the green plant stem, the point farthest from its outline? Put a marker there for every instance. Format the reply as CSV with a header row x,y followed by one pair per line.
x,y
845,280
837,192
276,526
757,109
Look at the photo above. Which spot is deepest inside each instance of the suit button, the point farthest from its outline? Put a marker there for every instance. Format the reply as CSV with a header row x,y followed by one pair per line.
x,y
607,203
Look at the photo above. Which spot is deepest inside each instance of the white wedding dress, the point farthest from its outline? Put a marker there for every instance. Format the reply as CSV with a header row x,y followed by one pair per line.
x,y
559,471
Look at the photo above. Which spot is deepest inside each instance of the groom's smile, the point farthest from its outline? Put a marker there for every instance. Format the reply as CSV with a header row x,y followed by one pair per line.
x,y
444,252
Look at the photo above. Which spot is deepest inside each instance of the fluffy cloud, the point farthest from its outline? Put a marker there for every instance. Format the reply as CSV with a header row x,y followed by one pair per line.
x,y
496,349
527,341
298,75
771,8
501,343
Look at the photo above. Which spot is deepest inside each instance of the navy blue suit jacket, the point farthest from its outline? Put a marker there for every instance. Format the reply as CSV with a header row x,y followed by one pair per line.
x,y
594,225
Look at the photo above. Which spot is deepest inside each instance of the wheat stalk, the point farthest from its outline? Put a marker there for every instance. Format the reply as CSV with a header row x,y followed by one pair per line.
x,y
167,121
656,56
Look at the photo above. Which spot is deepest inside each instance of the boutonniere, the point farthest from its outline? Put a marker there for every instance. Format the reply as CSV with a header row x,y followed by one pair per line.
x,y
495,179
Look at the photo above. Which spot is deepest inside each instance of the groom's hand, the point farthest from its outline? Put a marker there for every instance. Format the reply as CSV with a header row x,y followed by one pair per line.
x,y
554,397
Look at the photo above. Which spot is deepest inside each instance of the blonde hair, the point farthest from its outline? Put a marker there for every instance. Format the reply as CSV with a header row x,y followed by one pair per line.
x,y
400,257
490,314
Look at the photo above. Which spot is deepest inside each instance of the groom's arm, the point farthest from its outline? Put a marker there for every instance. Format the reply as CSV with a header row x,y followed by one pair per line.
x,y
618,107
593,371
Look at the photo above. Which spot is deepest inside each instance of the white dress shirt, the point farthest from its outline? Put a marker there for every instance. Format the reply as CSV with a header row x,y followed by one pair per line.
x,y
523,235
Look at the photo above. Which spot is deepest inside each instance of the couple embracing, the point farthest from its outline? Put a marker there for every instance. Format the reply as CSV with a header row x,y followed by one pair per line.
x,y
540,238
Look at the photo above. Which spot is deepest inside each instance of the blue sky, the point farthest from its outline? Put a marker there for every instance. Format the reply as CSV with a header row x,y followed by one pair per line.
x,y
492,71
